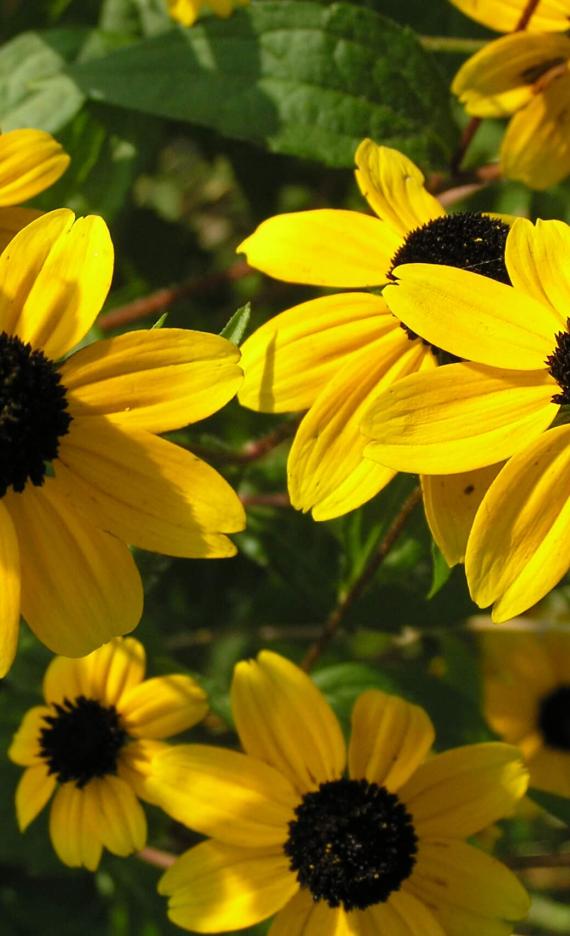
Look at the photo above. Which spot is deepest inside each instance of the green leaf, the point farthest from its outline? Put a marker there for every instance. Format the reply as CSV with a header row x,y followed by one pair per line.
x,y
299,78
558,806
34,92
440,570
236,328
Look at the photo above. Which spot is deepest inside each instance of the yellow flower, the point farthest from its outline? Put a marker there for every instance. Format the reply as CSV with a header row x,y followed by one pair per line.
x,y
526,75
467,415
91,744
376,849
30,161
187,11
505,15
333,356
82,471
527,700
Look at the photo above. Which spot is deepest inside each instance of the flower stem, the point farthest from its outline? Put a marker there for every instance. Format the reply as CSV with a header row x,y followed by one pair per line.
x,y
157,301
452,44
337,615
156,857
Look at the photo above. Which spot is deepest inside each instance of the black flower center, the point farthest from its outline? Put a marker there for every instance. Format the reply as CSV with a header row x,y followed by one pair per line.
x,y
82,741
554,718
558,365
468,240
352,843
33,413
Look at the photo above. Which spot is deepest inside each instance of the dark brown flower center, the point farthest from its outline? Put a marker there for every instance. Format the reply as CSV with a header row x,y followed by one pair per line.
x,y
82,741
554,718
558,364
33,414
468,240
352,844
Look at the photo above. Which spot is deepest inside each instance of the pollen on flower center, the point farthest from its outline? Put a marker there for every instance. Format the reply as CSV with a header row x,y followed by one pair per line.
x,y
352,844
468,240
554,718
33,413
558,365
82,741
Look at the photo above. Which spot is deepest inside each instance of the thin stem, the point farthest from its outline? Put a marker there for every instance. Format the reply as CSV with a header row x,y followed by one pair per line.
x,y
464,144
280,499
452,44
156,857
157,301
338,614
526,15
252,450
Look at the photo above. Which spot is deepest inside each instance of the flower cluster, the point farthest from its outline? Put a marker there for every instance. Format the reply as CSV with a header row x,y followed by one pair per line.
x,y
441,348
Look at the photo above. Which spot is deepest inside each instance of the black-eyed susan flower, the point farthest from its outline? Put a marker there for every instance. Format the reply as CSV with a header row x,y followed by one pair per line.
x,y
90,747
524,76
82,470
187,11
30,161
466,415
334,355
526,684
505,15
360,842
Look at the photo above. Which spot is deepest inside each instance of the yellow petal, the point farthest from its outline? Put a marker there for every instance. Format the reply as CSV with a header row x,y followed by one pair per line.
x,y
122,822
25,746
303,917
329,445
450,504
10,591
535,255
284,720
327,247
147,491
32,793
394,188
135,765
289,360
184,11
13,220
235,798
74,826
536,147
115,669
163,706
517,549
452,875
80,586
66,679
505,75
30,161
216,887
458,418
504,15
55,276
361,485
158,380
390,739
402,915
550,771
474,317
458,793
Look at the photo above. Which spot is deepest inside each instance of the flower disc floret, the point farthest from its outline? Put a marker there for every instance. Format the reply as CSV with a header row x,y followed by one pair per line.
x,y
352,843
33,413
554,718
559,365
82,741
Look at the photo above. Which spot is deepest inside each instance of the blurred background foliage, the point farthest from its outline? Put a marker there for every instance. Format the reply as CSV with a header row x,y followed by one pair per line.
x,y
184,141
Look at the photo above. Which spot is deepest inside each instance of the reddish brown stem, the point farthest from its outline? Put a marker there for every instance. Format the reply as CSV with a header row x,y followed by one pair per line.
x,y
339,612
156,857
252,450
280,499
159,300
526,15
